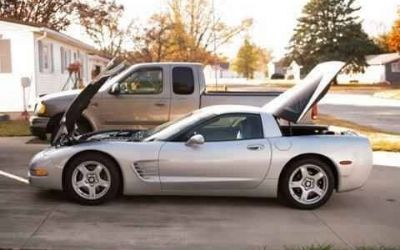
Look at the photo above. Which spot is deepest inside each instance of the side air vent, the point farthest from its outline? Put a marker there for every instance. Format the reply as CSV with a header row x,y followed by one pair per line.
x,y
146,170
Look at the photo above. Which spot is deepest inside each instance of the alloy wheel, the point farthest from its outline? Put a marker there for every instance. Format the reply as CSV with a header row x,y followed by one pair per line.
x,y
308,184
91,180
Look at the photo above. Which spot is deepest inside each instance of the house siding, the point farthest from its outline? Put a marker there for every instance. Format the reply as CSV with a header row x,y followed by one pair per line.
x,y
22,65
50,82
372,74
24,51
392,77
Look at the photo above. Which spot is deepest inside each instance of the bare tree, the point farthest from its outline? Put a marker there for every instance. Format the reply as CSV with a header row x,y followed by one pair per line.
x,y
102,23
48,13
187,31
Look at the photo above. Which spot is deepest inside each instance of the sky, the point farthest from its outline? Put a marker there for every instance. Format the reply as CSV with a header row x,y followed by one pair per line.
x,y
273,20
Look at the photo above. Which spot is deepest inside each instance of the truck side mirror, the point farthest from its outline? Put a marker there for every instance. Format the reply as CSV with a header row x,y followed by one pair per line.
x,y
115,89
195,140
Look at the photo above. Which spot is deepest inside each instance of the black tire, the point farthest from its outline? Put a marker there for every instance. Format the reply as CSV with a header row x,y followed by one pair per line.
x,y
292,198
114,178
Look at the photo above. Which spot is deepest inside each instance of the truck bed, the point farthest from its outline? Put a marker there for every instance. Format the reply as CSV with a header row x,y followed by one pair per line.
x,y
257,99
240,98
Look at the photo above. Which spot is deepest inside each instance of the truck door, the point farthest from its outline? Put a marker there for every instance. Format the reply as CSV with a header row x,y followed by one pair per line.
x,y
185,96
142,101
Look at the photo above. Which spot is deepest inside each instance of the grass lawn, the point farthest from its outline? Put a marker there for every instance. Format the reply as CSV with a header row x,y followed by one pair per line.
x,y
389,94
14,128
380,140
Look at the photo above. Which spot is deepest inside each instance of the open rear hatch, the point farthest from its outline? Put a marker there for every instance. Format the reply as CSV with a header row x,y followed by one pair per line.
x,y
293,104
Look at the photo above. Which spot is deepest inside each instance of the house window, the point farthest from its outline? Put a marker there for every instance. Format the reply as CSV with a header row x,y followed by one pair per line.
x,y
65,59
396,67
5,56
45,57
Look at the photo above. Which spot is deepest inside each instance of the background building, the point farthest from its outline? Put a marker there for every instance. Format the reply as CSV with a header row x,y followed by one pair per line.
x,y
42,56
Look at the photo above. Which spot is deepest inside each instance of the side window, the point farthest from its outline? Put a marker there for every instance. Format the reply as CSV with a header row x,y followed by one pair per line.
x,y
183,80
143,81
231,127
46,57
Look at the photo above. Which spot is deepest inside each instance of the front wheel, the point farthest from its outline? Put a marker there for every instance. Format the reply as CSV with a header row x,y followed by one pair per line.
x,y
92,179
306,184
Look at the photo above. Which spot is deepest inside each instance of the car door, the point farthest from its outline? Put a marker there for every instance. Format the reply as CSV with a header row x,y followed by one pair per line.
x,y
142,100
235,155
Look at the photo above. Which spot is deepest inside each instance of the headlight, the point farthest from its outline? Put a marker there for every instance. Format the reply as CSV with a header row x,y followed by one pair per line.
x,y
40,108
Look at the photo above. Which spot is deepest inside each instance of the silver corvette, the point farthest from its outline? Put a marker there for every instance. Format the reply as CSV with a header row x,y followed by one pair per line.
x,y
220,151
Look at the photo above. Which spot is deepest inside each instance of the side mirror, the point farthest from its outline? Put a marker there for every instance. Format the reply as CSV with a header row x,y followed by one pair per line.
x,y
195,140
115,89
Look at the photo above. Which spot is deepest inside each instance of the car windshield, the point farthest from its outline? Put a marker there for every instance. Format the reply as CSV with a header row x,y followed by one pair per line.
x,y
170,128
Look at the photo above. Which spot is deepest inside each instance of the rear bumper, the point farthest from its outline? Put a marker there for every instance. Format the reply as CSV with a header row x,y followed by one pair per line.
x,y
355,176
38,125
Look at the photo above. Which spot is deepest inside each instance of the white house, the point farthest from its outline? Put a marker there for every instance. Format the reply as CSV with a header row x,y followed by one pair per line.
x,y
293,71
382,68
221,70
42,55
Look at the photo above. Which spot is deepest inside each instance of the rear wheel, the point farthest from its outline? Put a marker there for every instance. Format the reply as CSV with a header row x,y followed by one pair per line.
x,y
306,184
92,179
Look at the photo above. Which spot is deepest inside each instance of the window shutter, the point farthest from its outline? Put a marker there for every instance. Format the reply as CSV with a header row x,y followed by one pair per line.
x,y
51,58
5,56
62,52
40,46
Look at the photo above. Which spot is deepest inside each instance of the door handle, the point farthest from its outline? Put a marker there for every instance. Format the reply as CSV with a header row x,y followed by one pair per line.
x,y
160,104
255,147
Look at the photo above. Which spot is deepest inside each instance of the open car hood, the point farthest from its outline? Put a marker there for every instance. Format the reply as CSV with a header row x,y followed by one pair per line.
x,y
67,126
294,103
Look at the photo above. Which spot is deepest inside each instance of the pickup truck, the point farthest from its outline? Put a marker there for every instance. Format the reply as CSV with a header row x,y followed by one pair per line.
x,y
141,97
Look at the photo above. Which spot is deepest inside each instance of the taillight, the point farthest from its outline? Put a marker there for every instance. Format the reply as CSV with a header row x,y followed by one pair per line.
x,y
314,112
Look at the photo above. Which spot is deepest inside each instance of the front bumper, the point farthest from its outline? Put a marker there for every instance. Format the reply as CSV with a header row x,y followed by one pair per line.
x,y
38,125
53,180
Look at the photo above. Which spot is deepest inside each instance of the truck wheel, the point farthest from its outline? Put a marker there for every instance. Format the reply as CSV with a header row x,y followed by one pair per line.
x,y
92,179
306,184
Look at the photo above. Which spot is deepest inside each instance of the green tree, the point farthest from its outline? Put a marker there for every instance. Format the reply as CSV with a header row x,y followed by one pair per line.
x,y
247,59
330,30
382,42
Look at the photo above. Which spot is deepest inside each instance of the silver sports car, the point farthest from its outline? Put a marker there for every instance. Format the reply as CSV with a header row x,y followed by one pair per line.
x,y
220,150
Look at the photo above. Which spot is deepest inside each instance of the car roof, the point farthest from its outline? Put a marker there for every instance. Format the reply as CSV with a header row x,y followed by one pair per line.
x,y
226,109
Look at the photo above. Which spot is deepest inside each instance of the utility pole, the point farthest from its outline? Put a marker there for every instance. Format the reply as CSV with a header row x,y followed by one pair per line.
x,y
215,46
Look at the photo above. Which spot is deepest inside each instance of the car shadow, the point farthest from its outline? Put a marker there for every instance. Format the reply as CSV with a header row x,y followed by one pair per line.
x,y
36,140
54,196
199,200
51,196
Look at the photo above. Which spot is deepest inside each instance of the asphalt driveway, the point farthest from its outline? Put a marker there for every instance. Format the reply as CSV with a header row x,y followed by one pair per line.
x,y
35,219
383,114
